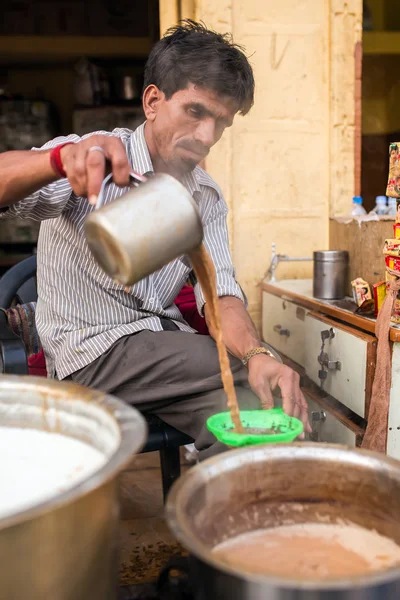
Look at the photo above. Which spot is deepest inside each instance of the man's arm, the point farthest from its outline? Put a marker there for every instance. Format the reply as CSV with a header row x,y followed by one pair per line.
x,y
25,172
240,334
22,173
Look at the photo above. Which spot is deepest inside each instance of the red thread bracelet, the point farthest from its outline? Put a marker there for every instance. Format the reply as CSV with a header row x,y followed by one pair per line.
x,y
55,160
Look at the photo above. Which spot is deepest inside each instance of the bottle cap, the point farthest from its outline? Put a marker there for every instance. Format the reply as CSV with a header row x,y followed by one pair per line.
x,y
380,200
357,200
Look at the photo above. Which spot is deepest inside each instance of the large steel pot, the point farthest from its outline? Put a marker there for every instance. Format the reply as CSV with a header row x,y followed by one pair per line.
x,y
262,486
66,548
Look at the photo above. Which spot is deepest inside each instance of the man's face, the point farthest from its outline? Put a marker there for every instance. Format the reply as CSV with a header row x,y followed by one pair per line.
x,y
180,131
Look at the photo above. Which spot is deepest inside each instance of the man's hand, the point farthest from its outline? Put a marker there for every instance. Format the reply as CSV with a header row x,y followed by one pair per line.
x,y
85,164
266,374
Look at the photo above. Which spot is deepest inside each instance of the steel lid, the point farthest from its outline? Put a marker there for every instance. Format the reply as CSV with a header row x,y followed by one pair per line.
x,y
331,255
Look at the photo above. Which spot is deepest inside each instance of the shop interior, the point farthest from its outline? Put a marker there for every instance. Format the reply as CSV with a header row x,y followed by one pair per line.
x,y
68,66
380,92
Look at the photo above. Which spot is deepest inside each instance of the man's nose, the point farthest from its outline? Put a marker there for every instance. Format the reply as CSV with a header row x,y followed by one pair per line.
x,y
205,133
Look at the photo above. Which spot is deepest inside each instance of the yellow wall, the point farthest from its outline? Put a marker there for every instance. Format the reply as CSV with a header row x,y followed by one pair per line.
x,y
289,164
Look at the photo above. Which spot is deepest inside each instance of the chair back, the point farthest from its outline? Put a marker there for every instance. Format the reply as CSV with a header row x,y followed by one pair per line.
x,y
19,283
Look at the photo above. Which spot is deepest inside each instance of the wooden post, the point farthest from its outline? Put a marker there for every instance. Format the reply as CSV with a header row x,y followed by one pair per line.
x,y
357,118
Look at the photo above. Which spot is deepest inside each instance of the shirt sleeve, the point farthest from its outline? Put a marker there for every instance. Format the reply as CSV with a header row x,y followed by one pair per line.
x,y
216,241
48,202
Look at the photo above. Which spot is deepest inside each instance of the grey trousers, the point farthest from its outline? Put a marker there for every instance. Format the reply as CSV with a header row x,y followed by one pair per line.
x,y
172,374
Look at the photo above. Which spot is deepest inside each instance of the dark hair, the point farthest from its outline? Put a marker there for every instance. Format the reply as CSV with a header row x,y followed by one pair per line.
x,y
191,53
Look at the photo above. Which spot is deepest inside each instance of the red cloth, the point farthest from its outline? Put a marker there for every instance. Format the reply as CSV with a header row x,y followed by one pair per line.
x,y
186,302
37,364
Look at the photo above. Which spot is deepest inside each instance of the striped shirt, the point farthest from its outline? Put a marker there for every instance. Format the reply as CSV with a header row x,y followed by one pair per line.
x,y
81,312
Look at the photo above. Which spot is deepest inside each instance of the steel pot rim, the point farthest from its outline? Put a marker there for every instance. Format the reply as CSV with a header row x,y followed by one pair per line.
x,y
180,527
131,424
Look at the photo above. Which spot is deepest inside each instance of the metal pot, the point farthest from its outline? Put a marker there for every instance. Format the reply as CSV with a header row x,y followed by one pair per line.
x,y
143,230
65,548
262,486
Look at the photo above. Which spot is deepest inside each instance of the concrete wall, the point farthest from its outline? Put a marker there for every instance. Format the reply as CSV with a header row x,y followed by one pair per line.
x,y
289,164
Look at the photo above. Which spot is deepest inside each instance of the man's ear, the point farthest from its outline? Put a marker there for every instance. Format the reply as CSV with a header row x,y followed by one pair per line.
x,y
152,97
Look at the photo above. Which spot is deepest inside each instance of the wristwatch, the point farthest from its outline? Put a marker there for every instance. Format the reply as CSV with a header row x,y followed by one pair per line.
x,y
254,352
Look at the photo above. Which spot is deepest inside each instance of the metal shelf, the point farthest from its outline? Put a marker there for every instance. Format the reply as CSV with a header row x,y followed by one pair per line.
x,y
35,48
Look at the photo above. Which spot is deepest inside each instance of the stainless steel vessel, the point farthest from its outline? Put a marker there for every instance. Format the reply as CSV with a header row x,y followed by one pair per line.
x,y
330,274
66,548
264,486
143,230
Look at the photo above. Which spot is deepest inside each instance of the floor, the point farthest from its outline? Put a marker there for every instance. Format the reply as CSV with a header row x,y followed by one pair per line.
x,y
146,543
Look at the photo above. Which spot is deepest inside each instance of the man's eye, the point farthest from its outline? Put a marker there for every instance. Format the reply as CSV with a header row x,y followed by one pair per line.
x,y
194,112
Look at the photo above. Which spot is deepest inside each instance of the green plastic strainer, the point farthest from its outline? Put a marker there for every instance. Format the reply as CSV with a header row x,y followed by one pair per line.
x,y
284,428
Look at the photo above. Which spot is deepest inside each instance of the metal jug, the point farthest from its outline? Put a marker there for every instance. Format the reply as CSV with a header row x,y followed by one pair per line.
x,y
156,221
330,278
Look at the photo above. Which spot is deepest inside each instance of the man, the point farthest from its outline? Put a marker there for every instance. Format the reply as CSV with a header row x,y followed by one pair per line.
x,y
134,342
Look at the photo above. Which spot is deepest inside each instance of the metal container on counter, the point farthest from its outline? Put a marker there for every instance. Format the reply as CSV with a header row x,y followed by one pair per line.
x,y
143,230
330,274
65,548
244,490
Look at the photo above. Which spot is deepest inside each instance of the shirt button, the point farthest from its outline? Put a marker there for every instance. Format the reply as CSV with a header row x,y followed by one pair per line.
x,y
151,300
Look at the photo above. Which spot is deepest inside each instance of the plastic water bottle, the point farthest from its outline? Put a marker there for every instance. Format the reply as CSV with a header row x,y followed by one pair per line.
x,y
392,207
380,206
358,210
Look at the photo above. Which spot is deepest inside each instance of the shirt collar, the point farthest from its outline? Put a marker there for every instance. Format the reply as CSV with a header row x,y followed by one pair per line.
x,y
140,156
141,161
191,184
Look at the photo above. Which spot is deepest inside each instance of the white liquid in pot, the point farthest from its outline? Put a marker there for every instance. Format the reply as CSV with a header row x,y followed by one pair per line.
x,y
310,551
37,465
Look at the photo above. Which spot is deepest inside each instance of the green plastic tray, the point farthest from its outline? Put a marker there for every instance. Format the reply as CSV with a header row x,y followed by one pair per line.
x,y
222,427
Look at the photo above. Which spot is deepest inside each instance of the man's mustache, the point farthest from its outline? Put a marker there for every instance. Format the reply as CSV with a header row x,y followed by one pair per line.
x,y
197,148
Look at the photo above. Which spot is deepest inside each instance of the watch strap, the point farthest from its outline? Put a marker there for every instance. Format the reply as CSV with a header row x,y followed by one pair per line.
x,y
254,352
